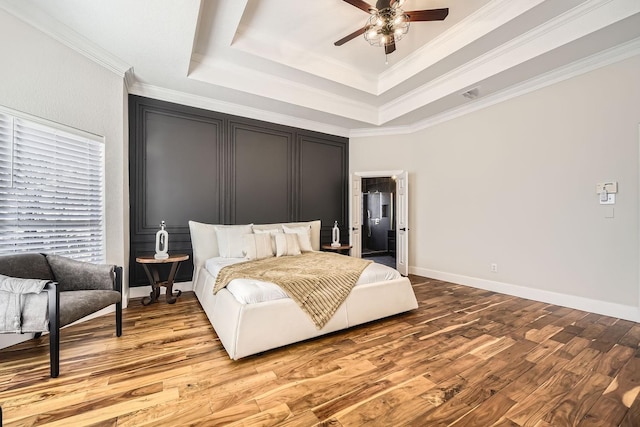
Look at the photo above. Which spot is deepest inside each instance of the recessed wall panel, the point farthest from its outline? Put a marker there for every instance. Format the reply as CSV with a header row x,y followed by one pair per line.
x,y
323,181
262,175
181,170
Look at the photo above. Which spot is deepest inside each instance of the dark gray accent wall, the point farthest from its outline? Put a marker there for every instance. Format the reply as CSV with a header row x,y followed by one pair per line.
x,y
187,164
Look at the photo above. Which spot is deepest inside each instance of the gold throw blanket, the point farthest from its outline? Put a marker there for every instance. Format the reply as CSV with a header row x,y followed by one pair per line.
x,y
318,282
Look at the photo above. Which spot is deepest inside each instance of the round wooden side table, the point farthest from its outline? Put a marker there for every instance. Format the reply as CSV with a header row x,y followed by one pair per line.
x,y
150,265
342,249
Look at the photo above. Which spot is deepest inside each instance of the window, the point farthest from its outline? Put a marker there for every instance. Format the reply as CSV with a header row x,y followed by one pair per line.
x,y
51,189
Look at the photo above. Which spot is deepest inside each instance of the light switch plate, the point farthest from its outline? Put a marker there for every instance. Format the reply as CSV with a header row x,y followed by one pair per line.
x,y
611,187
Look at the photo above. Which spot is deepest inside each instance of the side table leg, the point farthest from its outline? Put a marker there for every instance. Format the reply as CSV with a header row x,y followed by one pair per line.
x,y
171,299
155,287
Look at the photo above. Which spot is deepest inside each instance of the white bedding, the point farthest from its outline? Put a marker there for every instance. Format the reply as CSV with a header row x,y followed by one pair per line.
x,y
250,291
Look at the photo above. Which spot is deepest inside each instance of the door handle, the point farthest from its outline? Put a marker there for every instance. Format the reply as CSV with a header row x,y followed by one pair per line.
x,y
403,229
354,228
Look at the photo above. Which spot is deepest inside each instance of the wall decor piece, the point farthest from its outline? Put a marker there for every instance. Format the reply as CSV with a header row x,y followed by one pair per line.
x,y
162,242
335,235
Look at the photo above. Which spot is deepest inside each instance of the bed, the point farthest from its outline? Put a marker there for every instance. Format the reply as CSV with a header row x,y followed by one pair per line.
x,y
247,328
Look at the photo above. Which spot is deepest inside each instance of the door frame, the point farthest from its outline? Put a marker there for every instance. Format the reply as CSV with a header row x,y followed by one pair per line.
x,y
355,217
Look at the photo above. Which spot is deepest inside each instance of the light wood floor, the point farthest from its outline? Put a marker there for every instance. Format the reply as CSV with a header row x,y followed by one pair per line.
x,y
466,357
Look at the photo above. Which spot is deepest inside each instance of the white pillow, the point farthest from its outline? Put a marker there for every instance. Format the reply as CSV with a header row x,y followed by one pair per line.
x,y
304,236
287,245
257,246
230,240
272,232
267,230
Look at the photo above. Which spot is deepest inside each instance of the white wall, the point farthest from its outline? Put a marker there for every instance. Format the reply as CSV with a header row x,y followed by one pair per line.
x,y
514,184
44,78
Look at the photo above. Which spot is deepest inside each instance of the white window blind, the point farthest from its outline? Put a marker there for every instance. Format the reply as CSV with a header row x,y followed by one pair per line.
x,y
51,191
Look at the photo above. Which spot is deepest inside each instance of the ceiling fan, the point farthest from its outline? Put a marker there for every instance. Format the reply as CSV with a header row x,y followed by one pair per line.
x,y
388,23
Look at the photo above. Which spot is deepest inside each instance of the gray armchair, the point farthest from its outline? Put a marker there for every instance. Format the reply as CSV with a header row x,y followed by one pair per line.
x,y
77,289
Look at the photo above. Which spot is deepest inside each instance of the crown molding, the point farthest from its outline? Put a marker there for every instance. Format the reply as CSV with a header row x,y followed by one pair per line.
x,y
484,20
575,23
34,16
583,66
129,79
210,104
252,80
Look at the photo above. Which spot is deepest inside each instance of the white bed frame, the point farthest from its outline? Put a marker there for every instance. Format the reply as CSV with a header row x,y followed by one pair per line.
x,y
246,329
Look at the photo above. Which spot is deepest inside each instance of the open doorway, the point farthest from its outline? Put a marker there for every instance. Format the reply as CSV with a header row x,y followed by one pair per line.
x,y
378,237
396,211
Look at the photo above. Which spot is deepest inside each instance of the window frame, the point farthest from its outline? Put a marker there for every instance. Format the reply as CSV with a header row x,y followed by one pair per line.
x,y
87,246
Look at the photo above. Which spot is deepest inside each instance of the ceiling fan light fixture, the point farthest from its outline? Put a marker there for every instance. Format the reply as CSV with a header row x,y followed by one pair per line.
x,y
373,35
386,26
388,23
399,19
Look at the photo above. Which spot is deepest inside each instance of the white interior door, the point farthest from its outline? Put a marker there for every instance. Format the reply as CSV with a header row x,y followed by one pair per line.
x,y
355,207
402,223
401,215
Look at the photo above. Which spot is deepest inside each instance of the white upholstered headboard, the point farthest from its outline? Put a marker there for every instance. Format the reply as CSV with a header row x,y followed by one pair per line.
x,y
205,242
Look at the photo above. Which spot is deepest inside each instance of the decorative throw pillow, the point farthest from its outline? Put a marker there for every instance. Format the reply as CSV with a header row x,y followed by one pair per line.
x,y
287,245
304,236
230,239
257,246
271,232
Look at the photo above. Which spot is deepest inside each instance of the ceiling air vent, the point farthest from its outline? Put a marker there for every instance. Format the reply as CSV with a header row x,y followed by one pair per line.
x,y
472,93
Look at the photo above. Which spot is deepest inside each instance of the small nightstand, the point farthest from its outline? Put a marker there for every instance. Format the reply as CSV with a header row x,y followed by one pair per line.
x,y
150,265
342,249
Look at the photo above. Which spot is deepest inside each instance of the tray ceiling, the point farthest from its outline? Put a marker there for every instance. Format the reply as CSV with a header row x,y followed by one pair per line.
x,y
275,59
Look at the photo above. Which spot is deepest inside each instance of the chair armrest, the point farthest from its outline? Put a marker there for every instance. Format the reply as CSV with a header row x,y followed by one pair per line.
x,y
53,290
117,284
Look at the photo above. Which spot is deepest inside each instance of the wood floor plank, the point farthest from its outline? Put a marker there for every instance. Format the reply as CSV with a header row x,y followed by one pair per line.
x,y
465,357
613,405
575,404
395,406
530,410
486,414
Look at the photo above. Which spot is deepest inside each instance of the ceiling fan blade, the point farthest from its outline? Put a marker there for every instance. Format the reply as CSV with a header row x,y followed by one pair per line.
x,y
390,48
428,15
351,36
361,5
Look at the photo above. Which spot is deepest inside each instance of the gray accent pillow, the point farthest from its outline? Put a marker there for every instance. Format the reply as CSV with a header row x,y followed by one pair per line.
x,y
74,275
26,266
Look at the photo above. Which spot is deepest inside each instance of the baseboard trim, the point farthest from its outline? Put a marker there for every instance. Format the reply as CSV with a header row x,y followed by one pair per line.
x,y
621,311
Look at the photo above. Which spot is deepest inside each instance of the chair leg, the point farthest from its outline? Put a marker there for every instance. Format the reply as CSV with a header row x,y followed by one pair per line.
x,y
54,329
118,319
54,352
118,287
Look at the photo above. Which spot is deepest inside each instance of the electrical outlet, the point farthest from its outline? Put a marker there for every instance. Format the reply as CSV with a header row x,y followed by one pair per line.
x,y
611,200
494,268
